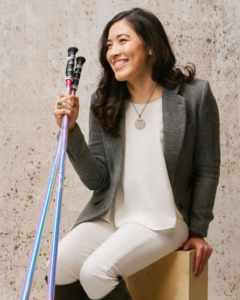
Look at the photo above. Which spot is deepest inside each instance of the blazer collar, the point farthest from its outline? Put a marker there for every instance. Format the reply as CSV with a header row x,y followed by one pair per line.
x,y
174,126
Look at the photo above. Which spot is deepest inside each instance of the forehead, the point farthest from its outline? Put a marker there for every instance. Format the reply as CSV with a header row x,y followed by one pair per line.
x,y
120,27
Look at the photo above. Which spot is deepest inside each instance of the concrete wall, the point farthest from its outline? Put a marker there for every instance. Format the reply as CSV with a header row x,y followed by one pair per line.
x,y
35,36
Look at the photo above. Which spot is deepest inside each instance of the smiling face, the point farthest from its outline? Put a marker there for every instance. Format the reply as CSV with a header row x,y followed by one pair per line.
x,y
127,55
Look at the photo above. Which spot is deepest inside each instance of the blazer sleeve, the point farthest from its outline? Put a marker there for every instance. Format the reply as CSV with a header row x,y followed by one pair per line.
x,y
89,160
206,162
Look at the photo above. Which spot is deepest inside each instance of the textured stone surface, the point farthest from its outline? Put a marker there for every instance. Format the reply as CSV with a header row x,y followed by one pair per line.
x,y
35,37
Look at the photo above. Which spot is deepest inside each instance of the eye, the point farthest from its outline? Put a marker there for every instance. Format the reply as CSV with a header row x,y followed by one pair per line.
x,y
120,41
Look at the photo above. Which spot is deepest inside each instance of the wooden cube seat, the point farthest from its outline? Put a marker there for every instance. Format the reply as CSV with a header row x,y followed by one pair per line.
x,y
170,278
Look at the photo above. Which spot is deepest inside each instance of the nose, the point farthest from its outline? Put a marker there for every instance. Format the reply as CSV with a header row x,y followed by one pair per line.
x,y
114,51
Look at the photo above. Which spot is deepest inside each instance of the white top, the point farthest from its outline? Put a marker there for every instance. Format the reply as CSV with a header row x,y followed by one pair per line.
x,y
144,194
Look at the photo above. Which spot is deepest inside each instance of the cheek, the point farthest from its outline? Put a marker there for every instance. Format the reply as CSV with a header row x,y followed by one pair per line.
x,y
136,54
108,56
128,51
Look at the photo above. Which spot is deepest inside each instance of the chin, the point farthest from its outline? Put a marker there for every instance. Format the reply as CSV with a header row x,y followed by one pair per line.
x,y
121,77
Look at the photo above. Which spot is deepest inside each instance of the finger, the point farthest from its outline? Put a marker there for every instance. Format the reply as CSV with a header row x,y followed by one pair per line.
x,y
64,94
68,100
60,100
57,112
197,259
75,99
59,105
64,105
58,117
203,261
67,106
206,255
187,245
72,101
62,111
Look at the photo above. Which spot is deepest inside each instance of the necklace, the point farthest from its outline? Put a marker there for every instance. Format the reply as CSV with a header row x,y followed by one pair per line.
x,y
140,123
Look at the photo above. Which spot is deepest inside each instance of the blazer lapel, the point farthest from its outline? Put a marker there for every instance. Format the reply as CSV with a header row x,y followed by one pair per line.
x,y
114,146
174,126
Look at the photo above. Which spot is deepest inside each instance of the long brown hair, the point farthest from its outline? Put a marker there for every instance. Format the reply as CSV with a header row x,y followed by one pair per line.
x,y
111,94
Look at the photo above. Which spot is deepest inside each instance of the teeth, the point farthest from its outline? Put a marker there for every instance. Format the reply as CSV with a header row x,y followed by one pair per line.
x,y
119,63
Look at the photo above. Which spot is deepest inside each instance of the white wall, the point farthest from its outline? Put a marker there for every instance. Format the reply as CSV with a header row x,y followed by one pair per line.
x,y
35,36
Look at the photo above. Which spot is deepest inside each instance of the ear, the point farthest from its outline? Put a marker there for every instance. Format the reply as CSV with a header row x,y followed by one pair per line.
x,y
149,51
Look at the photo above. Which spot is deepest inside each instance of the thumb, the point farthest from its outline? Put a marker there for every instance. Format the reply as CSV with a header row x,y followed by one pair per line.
x,y
187,246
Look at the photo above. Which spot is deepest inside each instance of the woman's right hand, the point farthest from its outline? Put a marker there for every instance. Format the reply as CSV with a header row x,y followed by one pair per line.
x,y
70,108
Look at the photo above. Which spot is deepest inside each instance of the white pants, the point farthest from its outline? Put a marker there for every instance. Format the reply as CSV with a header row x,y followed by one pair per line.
x,y
96,253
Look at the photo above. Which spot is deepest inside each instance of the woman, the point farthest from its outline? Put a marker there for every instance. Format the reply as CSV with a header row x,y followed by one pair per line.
x,y
152,161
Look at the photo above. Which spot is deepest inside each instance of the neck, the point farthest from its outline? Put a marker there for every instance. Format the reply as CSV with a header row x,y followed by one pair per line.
x,y
142,89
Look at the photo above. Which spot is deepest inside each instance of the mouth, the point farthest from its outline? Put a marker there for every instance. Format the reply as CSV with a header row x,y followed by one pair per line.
x,y
120,64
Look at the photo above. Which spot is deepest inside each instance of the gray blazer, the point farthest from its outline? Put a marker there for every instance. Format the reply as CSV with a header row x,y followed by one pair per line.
x,y
191,135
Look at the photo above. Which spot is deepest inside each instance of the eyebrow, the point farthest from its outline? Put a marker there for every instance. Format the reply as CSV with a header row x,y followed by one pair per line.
x,y
119,36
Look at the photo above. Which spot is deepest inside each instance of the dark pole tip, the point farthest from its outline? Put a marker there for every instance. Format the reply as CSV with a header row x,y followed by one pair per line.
x,y
80,60
72,51
77,73
70,63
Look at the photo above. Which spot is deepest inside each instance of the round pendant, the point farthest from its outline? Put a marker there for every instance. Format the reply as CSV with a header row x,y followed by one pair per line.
x,y
140,124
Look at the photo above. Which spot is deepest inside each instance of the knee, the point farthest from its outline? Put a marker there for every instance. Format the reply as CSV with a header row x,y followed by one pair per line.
x,y
61,266
96,279
86,276
91,276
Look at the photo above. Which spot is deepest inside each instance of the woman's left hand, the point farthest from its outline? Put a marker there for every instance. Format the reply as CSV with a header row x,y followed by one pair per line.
x,y
203,252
